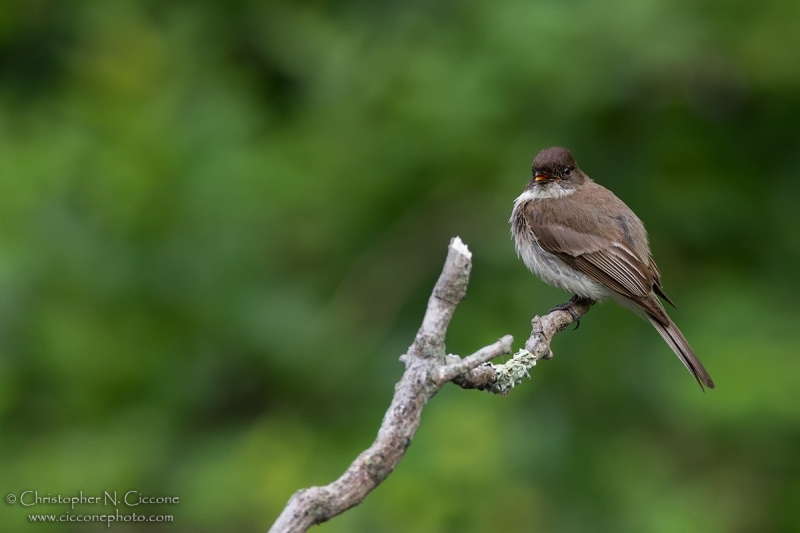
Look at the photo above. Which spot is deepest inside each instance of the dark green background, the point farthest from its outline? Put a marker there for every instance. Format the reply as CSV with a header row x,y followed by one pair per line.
x,y
220,223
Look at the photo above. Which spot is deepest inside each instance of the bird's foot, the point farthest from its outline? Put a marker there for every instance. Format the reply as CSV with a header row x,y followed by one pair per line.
x,y
569,307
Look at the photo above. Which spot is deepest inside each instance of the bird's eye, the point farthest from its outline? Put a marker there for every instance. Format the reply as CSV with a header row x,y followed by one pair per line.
x,y
567,171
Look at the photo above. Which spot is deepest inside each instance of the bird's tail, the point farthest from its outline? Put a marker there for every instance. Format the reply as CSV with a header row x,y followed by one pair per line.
x,y
680,346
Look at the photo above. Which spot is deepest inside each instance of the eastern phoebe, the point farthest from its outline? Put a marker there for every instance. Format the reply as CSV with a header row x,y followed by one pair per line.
x,y
576,235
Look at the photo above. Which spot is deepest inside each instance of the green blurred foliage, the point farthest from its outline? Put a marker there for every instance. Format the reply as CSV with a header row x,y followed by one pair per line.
x,y
220,222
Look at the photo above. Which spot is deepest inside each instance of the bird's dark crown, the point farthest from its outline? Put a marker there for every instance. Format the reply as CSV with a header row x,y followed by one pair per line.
x,y
555,162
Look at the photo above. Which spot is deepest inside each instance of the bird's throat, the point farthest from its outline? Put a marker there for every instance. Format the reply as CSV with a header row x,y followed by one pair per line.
x,y
550,191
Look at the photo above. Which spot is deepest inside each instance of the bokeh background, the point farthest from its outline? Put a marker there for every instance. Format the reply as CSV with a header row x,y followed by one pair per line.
x,y
220,223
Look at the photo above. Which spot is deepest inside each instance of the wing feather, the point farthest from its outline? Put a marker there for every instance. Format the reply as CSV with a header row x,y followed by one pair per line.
x,y
608,259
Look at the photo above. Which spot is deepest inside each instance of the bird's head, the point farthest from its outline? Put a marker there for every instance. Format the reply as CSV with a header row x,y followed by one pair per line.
x,y
554,169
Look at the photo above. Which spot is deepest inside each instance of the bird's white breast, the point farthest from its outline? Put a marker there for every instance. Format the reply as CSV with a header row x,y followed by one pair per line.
x,y
548,267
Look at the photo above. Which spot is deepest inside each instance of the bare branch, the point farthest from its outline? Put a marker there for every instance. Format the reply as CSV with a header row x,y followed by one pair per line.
x,y
487,353
450,289
500,379
427,371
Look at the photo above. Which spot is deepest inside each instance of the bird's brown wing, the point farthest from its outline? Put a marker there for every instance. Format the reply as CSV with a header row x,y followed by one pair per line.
x,y
609,261
573,234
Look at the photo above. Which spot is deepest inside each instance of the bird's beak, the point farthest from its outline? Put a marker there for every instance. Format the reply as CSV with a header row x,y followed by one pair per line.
x,y
541,176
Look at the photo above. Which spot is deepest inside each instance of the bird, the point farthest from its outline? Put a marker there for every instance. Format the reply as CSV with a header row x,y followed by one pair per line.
x,y
578,236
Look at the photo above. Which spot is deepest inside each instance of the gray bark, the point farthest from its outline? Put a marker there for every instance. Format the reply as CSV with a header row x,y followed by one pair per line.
x,y
428,369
